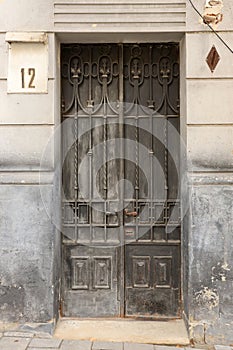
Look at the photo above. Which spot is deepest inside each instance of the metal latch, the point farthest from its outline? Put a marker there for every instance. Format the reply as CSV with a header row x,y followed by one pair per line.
x,y
130,213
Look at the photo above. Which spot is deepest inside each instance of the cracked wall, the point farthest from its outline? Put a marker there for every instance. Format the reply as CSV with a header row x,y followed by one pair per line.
x,y
213,12
211,268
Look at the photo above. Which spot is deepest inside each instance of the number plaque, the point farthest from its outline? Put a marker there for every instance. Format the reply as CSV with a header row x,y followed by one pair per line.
x,y
28,67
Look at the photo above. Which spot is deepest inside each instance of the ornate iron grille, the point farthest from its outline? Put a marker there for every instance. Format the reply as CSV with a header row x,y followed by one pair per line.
x,y
104,87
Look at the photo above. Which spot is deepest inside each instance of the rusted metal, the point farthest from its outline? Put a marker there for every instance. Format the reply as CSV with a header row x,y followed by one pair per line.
x,y
130,213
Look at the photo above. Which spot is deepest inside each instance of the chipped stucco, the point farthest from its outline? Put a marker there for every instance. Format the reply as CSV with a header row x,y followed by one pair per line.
x,y
213,12
207,297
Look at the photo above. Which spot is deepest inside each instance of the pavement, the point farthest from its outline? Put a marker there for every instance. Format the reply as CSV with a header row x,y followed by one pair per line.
x,y
27,341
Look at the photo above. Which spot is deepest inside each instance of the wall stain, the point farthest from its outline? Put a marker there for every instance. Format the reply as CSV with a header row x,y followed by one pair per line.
x,y
207,297
220,272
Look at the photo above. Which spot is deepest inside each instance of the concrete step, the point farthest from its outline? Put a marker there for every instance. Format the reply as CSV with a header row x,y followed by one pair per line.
x,y
172,332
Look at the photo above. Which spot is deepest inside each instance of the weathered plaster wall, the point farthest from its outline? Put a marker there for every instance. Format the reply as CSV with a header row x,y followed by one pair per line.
x,y
26,287
26,15
211,259
29,242
210,147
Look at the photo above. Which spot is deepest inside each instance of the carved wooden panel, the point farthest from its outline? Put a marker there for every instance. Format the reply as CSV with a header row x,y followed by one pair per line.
x,y
90,284
102,273
141,271
80,271
162,271
152,280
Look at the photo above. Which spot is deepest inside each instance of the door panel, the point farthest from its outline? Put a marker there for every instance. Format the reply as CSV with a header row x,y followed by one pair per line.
x,y
91,282
152,280
120,200
91,171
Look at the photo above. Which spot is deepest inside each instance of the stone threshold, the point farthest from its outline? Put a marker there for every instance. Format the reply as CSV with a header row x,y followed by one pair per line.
x,y
169,332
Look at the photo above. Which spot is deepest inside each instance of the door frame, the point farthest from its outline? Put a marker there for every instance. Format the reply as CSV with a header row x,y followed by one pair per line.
x,y
179,38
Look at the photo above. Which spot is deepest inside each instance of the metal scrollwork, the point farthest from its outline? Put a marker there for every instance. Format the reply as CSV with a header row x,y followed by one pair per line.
x,y
167,71
164,69
76,70
136,70
85,66
136,67
151,70
105,70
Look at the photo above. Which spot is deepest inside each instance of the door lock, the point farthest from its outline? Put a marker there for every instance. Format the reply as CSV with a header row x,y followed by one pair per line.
x,y
130,213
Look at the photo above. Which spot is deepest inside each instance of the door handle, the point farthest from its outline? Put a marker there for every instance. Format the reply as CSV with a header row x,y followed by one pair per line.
x,y
130,213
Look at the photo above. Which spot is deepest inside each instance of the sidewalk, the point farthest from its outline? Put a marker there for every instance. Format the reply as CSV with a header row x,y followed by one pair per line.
x,y
27,341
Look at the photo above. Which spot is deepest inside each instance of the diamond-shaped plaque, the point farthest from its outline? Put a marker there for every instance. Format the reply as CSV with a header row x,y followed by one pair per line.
x,y
213,58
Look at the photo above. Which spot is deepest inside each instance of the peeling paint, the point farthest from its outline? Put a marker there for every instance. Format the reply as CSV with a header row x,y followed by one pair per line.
x,y
220,272
225,266
207,298
196,332
213,12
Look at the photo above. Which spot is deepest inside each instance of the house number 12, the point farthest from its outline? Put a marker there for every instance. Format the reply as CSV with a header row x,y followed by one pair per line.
x,y
31,72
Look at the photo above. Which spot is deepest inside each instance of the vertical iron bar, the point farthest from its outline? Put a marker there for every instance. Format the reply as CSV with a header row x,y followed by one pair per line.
x,y
105,155
90,143
136,160
166,169
76,159
151,146
121,187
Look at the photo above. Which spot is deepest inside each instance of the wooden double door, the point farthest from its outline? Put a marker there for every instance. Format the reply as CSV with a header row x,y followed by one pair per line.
x,y
120,180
